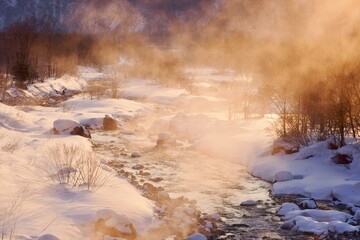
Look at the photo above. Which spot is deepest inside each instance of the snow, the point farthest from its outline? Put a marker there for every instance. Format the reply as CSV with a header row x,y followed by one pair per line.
x,y
357,215
286,208
283,176
24,141
319,222
306,225
310,172
49,210
308,204
319,215
65,126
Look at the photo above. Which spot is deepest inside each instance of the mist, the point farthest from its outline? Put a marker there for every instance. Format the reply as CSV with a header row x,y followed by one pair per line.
x,y
210,102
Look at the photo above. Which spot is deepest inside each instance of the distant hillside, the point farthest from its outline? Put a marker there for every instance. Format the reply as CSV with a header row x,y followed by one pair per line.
x,y
151,16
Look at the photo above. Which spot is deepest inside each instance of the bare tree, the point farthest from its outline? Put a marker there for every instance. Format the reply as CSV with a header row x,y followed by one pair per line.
x,y
20,38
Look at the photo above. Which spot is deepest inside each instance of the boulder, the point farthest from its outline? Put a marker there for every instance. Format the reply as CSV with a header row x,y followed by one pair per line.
x,y
70,127
109,123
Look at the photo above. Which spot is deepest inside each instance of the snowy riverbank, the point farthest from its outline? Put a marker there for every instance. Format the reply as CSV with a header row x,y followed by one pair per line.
x,y
199,122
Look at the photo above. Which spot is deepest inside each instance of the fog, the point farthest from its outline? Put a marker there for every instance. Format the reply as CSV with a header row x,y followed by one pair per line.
x,y
288,44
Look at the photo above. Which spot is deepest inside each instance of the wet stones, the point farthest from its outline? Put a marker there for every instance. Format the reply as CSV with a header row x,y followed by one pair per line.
x,y
144,174
248,203
156,179
138,167
116,164
135,155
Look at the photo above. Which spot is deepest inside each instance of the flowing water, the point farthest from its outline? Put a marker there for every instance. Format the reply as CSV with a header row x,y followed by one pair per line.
x,y
217,185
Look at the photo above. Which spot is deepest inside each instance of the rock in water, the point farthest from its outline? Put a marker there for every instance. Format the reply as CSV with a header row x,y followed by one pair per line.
x,y
248,203
135,154
109,123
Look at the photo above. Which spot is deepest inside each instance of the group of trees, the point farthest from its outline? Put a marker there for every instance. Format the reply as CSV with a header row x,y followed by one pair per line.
x,y
33,49
316,103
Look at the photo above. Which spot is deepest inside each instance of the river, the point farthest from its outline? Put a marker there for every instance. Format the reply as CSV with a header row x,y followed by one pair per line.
x,y
218,186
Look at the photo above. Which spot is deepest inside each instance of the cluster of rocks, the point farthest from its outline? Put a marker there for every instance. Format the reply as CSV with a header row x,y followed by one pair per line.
x,y
72,127
180,215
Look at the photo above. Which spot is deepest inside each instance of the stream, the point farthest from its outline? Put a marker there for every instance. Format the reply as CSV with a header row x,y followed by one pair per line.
x,y
215,186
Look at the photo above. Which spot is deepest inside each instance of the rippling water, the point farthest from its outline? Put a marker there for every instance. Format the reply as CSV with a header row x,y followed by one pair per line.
x,y
217,185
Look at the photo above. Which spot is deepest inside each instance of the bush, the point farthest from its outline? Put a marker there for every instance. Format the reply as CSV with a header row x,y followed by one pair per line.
x,y
71,165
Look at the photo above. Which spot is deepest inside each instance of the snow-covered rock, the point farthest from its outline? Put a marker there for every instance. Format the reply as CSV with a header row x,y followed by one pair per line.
x,y
283,176
67,126
93,123
320,215
107,218
306,225
308,204
341,227
318,226
197,236
287,207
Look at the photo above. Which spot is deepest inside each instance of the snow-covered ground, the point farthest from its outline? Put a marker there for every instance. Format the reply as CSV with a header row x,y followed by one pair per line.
x,y
32,205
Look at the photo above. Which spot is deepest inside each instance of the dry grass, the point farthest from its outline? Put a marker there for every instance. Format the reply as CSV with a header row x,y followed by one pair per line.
x,y
10,214
71,165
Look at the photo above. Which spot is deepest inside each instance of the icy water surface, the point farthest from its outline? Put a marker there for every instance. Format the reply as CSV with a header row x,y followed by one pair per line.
x,y
218,186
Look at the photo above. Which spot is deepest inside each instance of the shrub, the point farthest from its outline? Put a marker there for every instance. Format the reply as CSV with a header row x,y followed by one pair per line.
x,y
71,165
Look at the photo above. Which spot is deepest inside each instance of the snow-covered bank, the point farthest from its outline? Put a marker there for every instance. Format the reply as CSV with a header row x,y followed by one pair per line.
x,y
31,204
311,172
